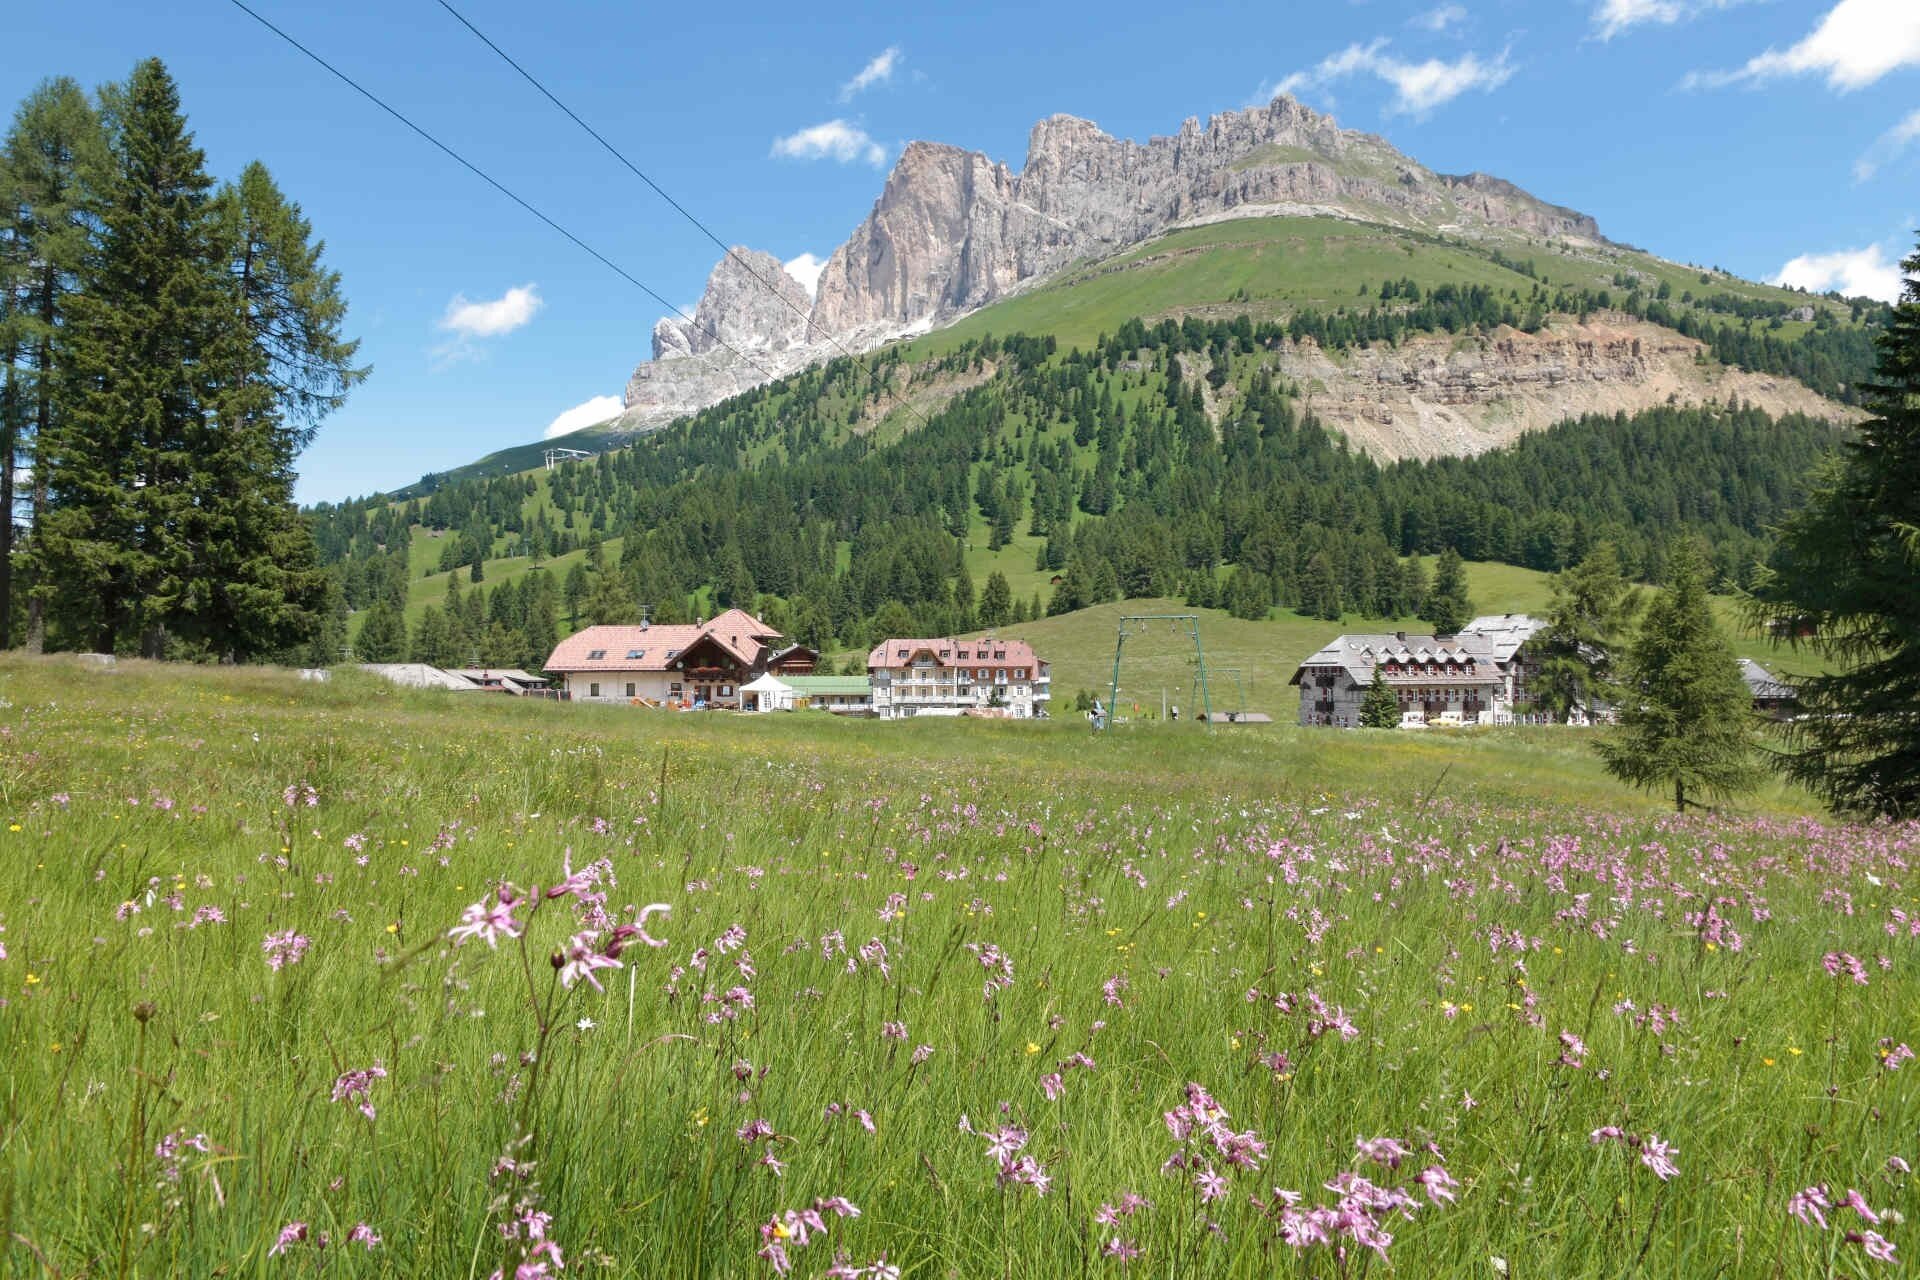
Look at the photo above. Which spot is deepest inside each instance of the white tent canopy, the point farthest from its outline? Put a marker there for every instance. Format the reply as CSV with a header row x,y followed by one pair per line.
x,y
766,694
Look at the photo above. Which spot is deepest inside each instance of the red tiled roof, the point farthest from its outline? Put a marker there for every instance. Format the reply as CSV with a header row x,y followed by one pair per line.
x,y
736,631
948,652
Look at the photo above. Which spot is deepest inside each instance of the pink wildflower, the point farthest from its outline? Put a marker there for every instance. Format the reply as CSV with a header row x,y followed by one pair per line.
x,y
489,923
284,949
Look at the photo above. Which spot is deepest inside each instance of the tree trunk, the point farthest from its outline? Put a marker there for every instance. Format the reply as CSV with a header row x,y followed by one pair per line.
x,y
9,447
1679,796
43,419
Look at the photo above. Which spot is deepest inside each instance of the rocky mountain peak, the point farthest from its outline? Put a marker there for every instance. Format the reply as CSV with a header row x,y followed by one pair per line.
x,y
953,230
740,310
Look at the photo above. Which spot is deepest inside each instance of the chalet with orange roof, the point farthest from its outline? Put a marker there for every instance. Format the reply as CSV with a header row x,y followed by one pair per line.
x,y
674,664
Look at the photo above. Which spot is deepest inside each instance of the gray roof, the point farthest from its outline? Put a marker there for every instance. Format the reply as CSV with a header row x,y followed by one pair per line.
x,y
418,675
1762,683
1488,642
1507,631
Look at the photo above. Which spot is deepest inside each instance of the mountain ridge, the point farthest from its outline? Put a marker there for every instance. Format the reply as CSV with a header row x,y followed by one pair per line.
x,y
953,231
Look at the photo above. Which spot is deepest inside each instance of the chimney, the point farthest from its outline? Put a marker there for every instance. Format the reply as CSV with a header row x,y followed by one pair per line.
x,y
643,624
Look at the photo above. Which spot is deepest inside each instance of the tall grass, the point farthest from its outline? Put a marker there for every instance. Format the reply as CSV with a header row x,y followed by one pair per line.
x,y
1306,926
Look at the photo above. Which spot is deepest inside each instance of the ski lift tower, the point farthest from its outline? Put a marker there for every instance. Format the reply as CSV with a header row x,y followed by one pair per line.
x,y
1143,624
555,457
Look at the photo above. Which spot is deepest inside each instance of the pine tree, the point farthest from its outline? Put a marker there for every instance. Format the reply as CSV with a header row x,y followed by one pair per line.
x,y
147,355
330,638
1685,713
1844,581
996,601
430,639
611,602
1447,607
1593,604
382,636
171,475
1380,708
963,610
52,162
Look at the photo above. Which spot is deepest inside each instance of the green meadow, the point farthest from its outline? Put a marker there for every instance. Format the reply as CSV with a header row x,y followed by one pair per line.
x,y
1033,1002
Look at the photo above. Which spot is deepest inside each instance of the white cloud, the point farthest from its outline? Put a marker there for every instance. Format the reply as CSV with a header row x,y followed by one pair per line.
x,y
834,140
1853,272
1855,44
502,315
1611,17
878,71
590,413
806,269
1887,148
1440,17
1418,87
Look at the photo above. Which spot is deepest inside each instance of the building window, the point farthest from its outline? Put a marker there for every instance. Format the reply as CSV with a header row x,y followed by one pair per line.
x,y
634,655
674,688
629,688
594,655
726,691
593,691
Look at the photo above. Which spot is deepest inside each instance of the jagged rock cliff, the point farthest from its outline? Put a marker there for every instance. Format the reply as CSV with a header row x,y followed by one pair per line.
x,y
953,231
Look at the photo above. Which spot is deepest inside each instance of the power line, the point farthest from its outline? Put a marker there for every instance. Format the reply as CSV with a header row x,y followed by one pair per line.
x,y
679,208
499,186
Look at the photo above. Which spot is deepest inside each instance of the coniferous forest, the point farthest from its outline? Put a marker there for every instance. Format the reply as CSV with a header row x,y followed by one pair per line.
x,y
771,501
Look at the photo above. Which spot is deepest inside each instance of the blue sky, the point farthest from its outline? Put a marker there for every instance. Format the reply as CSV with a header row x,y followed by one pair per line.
x,y
1758,135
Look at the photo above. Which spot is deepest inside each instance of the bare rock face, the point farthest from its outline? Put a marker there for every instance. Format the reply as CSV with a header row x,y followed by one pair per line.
x,y
751,304
1437,395
953,231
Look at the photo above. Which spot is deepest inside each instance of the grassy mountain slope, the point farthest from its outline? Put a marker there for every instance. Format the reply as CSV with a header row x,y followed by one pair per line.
x,y
1270,267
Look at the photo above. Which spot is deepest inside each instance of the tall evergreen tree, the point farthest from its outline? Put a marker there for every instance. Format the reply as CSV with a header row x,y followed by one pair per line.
x,y
382,636
1448,607
51,163
1380,708
1593,605
1844,581
1685,714
996,601
171,470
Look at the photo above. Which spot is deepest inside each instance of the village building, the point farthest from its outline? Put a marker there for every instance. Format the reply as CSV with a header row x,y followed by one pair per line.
x,y
502,680
419,675
1771,696
673,664
841,695
949,677
1479,676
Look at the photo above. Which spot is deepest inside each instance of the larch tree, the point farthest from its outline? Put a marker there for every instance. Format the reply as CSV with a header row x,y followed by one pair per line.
x,y
1448,607
996,601
1844,582
1587,625
1686,717
1380,708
